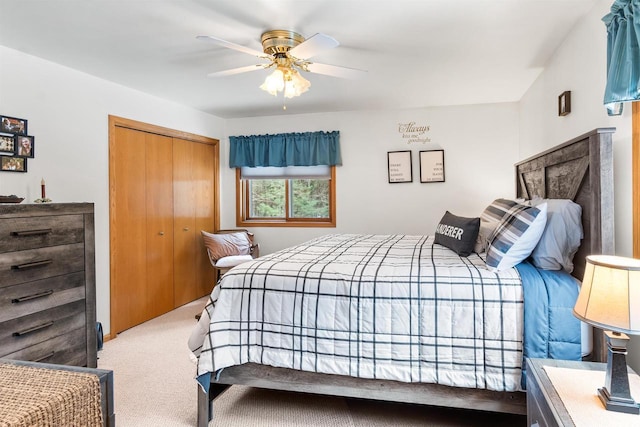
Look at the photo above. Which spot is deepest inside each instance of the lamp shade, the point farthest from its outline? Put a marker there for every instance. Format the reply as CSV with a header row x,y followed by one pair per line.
x,y
610,294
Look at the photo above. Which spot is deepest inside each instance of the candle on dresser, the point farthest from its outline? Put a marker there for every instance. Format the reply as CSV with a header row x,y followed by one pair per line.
x,y
42,188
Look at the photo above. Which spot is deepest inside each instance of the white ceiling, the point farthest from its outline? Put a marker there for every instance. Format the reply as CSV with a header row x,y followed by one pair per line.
x,y
417,53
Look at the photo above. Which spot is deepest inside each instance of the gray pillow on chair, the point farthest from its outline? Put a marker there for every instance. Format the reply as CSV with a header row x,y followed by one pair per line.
x,y
227,244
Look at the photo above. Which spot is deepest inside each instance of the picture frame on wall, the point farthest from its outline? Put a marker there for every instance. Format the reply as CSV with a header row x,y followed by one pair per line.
x,y
24,146
564,103
399,166
431,166
7,144
13,125
13,164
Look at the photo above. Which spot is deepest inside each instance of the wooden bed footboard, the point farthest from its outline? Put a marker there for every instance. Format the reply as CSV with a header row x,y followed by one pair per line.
x,y
261,376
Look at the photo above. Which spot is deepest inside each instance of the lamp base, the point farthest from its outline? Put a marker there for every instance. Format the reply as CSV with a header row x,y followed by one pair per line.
x,y
628,406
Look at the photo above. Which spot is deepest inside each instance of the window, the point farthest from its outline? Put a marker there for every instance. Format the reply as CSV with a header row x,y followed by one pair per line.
x,y
286,197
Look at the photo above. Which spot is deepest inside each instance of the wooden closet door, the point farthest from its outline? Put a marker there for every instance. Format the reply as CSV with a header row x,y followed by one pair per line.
x,y
184,209
129,223
159,231
193,184
141,228
204,174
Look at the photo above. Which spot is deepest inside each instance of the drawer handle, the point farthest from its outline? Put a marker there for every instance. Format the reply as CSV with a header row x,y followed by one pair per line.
x,y
34,296
31,232
33,329
31,264
46,356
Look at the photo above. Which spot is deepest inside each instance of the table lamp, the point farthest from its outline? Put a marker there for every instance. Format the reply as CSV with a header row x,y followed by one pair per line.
x,y
610,299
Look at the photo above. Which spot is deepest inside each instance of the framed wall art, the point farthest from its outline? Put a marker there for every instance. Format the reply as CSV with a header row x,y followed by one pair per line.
x,y
13,164
7,144
13,125
399,166
24,146
564,103
432,166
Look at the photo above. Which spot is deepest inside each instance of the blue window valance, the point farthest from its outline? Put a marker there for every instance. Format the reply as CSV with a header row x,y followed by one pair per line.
x,y
623,55
285,149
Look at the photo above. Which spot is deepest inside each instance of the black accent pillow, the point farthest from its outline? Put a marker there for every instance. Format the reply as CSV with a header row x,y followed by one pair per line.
x,y
458,233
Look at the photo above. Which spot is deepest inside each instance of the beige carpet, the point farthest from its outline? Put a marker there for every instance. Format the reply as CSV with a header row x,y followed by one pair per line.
x,y
155,386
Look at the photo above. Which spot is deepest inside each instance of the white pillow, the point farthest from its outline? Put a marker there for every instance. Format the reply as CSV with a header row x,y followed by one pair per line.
x,y
561,237
232,260
516,236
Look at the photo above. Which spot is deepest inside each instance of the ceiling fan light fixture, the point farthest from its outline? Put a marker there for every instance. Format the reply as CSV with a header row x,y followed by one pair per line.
x,y
285,79
295,84
274,82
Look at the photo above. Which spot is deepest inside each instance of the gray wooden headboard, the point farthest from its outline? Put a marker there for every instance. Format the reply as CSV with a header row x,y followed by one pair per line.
x,y
581,170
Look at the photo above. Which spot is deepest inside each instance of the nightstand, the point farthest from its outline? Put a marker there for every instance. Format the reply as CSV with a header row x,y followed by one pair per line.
x,y
545,407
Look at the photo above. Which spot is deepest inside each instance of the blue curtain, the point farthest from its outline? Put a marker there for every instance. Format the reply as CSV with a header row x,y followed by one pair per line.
x,y
623,55
285,149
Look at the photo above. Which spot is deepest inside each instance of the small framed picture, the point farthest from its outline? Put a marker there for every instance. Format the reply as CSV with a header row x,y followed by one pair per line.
x,y
13,125
13,164
564,103
24,145
399,163
432,166
7,144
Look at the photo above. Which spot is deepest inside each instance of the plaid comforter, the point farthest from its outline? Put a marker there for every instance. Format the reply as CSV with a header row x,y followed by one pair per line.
x,y
391,307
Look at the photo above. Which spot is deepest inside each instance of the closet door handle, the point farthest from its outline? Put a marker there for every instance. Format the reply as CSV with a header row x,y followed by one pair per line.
x,y
33,329
30,297
161,233
46,356
32,264
186,229
31,232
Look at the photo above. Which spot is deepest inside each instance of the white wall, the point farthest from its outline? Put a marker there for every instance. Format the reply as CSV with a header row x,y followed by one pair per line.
x,y
480,144
67,112
579,65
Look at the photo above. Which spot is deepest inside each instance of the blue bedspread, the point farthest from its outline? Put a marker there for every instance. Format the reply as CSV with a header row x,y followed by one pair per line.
x,y
551,331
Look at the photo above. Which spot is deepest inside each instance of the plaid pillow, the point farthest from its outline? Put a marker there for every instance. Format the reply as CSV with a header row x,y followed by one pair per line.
x,y
489,220
516,235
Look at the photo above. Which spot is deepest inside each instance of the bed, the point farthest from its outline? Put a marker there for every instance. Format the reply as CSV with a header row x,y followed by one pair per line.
x,y
580,170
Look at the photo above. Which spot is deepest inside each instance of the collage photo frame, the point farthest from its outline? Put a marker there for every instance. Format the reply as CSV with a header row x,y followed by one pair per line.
x,y
16,145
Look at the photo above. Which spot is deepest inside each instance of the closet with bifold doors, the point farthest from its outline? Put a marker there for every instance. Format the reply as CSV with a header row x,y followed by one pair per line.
x,y
163,191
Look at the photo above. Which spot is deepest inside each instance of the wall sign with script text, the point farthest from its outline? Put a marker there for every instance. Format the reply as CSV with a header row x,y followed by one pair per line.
x,y
399,166
412,132
432,166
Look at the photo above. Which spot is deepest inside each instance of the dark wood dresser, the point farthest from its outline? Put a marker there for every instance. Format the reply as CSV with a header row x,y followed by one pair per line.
x,y
47,283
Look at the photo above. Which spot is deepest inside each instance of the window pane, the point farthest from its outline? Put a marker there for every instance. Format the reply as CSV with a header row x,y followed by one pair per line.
x,y
267,198
310,198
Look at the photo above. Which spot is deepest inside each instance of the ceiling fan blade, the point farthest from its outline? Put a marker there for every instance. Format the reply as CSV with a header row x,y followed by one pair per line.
x,y
238,70
313,46
335,71
233,46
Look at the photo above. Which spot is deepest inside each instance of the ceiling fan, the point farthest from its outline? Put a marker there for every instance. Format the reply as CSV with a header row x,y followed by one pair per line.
x,y
288,53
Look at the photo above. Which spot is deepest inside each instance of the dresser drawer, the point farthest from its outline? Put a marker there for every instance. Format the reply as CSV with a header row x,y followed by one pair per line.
x,y
27,331
17,234
34,264
67,349
28,298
